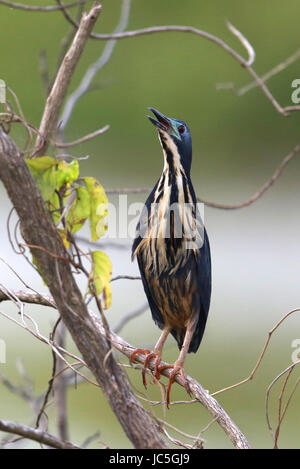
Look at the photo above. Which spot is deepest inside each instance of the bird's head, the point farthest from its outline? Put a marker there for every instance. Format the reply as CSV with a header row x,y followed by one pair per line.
x,y
175,138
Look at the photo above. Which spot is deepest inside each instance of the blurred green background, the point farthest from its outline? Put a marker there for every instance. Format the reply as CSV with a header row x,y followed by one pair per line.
x,y
238,142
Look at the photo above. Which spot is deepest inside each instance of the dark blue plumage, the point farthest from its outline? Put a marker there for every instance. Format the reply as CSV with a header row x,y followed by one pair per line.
x,y
172,248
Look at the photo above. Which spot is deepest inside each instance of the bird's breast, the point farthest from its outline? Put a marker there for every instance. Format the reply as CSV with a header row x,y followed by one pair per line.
x,y
170,225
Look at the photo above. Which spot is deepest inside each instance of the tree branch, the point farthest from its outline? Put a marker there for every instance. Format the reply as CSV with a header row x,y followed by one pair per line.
x,y
47,9
81,139
26,297
63,78
35,435
39,230
274,71
203,396
259,193
210,37
209,402
94,68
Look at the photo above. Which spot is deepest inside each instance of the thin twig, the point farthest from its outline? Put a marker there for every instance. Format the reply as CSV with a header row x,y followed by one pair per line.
x,y
82,139
199,392
203,396
35,435
287,370
45,9
290,397
61,388
93,69
129,316
274,71
26,297
44,71
245,42
126,277
63,79
51,381
259,193
190,29
277,431
270,333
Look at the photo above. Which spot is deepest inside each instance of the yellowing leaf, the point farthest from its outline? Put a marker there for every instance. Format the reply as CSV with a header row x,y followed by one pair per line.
x,y
67,172
102,275
98,207
79,210
64,238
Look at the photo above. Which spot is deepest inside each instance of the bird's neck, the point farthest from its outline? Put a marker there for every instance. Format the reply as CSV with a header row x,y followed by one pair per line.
x,y
174,184
174,161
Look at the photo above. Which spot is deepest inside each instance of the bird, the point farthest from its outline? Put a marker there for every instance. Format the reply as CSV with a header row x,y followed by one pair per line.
x,y
173,253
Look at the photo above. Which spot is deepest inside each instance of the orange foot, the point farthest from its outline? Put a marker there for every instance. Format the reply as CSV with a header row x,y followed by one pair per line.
x,y
177,370
149,356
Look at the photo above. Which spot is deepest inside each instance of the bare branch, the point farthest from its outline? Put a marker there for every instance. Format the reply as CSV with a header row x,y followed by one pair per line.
x,y
20,391
290,398
63,78
270,333
104,244
46,9
288,370
258,194
203,396
133,314
44,71
61,387
245,203
93,69
82,139
190,29
126,277
280,408
274,71
245,42
26,297
129,190
35,435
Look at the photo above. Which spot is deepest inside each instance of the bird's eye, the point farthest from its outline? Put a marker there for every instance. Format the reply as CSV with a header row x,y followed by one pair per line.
x,y
181,129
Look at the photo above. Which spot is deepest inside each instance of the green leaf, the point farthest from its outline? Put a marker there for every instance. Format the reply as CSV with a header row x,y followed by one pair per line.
x,y
102,275
50,174
79,210
41,163
66,173
98,207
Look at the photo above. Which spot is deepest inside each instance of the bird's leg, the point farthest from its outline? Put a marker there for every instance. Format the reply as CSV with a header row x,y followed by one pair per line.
x,y
156,353
179,364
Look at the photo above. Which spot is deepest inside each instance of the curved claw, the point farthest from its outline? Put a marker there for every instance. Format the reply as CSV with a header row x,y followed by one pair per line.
x,y
143,351
160,368
177,370
149,356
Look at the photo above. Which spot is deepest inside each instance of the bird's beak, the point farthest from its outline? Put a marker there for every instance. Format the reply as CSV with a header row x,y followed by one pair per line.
x,y
162,121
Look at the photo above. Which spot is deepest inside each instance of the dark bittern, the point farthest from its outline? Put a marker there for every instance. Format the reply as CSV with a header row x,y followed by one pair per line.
x,y
173,252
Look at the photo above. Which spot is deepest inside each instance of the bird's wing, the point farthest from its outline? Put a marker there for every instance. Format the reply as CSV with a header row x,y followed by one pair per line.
x,y
203,276
147,206
156,315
